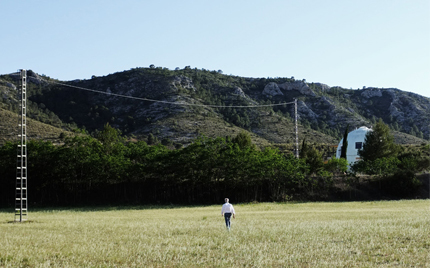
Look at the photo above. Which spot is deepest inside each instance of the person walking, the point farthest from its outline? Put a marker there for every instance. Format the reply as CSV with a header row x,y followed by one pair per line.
x,y
227,211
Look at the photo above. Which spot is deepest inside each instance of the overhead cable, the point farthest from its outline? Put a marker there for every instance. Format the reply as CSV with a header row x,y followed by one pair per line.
x,y
166,102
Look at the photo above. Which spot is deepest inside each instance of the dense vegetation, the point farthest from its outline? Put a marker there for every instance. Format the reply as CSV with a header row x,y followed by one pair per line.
x,y
107,169
393,165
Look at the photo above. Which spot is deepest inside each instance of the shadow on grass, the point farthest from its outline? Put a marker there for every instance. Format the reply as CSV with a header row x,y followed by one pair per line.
x,y
105,208
18,222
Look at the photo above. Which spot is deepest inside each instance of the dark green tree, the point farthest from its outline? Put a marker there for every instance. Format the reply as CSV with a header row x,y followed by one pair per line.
x,y
152,139
345,143
314,159
378,143
109,137
243,139
304,150
337,166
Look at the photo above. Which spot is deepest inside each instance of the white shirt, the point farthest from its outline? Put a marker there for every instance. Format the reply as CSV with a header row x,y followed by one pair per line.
x,y
227,208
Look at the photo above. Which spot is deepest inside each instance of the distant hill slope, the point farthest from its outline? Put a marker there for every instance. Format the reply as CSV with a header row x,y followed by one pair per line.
x,y
35,130
192,102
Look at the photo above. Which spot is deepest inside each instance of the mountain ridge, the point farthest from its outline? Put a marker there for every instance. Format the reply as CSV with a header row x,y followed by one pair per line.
x,y
174,115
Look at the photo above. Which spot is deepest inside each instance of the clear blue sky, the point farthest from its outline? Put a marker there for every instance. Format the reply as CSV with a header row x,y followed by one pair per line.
x,y
348,43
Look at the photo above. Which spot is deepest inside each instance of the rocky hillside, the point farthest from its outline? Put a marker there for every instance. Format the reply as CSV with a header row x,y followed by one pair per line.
x,y
178,105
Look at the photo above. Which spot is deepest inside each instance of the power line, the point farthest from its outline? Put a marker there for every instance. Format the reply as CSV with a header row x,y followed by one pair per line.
x,y
190,104
15,73
166,102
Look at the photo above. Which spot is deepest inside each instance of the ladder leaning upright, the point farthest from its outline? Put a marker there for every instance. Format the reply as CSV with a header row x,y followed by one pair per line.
x,y
21,168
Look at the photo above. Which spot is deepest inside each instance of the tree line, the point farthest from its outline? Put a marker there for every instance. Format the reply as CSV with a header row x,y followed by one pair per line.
x,y
106,169
394,166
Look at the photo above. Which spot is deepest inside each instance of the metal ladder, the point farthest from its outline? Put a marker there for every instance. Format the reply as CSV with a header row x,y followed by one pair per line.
x,y
21,203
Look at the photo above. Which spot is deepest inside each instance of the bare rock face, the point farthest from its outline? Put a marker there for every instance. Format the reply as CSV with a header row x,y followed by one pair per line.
x,y
239,91
328,103
371,92
11,86
272,89
300,86
34,77
303,109
183,81
323,87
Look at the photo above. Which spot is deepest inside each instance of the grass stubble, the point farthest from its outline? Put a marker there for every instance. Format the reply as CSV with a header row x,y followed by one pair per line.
x,y
355,234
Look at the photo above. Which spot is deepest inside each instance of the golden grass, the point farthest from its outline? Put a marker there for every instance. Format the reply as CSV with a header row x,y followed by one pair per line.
x,y
35,130
369,234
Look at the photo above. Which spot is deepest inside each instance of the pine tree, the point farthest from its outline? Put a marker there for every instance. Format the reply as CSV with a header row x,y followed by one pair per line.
x,y
345,143
378,143
304,150
151,139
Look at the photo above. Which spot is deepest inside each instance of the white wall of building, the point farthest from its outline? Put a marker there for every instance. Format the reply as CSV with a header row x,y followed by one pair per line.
x,y
355,142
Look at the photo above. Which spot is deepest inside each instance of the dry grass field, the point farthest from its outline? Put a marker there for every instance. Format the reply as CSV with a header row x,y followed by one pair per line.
x,y
355,234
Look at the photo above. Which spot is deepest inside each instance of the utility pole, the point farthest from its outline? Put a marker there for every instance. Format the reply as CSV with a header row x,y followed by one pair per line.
x,y
296,128
21,168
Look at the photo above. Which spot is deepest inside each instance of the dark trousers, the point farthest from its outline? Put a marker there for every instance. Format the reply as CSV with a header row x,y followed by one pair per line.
x,y
227,217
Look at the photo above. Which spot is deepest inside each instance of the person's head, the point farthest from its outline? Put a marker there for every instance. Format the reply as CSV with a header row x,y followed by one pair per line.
x,y
226,200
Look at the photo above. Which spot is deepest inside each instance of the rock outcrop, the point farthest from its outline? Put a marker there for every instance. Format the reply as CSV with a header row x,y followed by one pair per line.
x,y
371,92
323,87
239,91
300,86
183,81
272,89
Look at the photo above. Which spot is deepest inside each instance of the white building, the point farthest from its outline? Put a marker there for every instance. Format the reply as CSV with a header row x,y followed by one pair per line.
x,y
355,142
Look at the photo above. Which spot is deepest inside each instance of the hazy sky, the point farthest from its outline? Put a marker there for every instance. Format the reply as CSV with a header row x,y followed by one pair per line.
x,y
348,43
